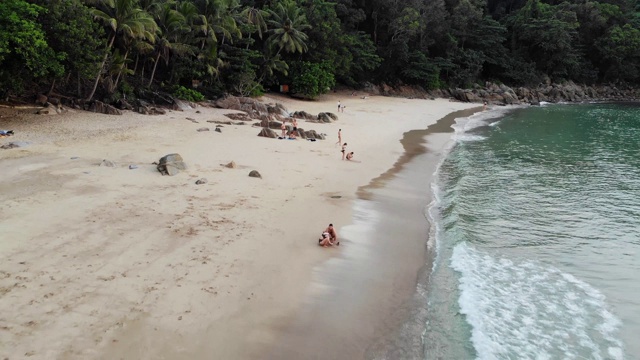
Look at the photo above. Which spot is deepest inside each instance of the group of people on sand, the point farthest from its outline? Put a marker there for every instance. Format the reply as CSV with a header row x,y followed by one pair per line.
x,y
294,129
345,154
329,237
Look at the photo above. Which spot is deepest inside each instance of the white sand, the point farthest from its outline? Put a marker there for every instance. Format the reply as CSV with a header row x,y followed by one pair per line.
x,y
110,263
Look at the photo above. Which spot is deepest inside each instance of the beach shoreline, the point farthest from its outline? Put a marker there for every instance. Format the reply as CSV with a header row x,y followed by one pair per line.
x,y
107,263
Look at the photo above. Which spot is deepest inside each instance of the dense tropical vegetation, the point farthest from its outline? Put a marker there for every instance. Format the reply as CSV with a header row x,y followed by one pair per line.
x,y
113,49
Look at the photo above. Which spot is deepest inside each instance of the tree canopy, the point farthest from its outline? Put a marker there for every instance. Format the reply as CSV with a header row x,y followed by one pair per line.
x,y
110,49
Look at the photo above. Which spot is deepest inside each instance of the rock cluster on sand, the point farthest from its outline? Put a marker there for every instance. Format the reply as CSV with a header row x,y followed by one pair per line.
x,y
171,164
504,95
272,116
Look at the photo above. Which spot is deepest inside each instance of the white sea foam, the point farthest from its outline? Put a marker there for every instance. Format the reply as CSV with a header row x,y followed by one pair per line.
x,y
527,310
462,126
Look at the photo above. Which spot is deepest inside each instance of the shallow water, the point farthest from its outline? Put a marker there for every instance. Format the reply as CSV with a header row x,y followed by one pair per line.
x,y
537,228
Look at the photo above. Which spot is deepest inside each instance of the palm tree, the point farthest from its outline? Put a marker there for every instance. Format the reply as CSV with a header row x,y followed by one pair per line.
x,y
171,38
255,17
124,19
287,24
217,21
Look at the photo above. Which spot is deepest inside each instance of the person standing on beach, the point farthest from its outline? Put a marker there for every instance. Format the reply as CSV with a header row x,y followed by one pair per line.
x,y
284,128
344,150
339,106
339,137
294,132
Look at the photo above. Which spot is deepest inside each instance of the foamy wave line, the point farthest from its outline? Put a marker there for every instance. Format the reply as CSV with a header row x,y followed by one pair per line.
x,y
529,311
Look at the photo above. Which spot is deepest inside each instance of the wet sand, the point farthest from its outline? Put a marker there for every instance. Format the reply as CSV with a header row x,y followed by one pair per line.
x,y
361,302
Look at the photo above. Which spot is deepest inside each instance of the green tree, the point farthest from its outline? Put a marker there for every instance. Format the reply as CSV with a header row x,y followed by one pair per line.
x,y
171,36
546,34
620,50
124,20
24,51
287,24
311,79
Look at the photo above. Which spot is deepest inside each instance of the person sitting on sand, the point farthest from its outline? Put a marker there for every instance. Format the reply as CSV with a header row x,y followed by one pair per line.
x,y
344,150
350,156
333,237
325,240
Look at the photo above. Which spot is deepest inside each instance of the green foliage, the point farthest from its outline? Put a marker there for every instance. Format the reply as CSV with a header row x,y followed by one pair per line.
x,y
287,22
183,93
25,54
242,47
547,35
73,35
422,71
309,80
620,48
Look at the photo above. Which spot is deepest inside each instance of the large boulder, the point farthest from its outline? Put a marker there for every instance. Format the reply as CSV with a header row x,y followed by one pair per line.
x,y
268,133
278,110
303,115
324,117
102,108
42,99
182,105
230,102
124,105
300,133
171,164
312,134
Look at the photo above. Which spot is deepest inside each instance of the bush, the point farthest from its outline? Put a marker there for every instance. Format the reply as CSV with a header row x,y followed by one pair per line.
x,y
183,93
311,79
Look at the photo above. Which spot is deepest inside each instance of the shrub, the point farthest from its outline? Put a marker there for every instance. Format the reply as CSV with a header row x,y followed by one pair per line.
x,y
311,79
183,93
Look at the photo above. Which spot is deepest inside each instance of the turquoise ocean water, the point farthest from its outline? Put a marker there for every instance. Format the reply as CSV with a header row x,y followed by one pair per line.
x,y
536,221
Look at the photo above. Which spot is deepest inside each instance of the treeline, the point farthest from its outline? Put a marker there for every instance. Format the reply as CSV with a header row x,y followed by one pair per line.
x,y
115,49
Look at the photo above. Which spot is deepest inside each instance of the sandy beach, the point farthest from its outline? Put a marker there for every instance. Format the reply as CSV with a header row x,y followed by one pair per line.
x,y
104,262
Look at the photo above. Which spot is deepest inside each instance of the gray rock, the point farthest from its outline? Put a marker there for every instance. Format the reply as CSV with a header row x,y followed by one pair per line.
x,y
171,164
231,165
218,130
255,173
42,99
203,129
201,181
10,145
133,166
268,133
324,117
107,163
